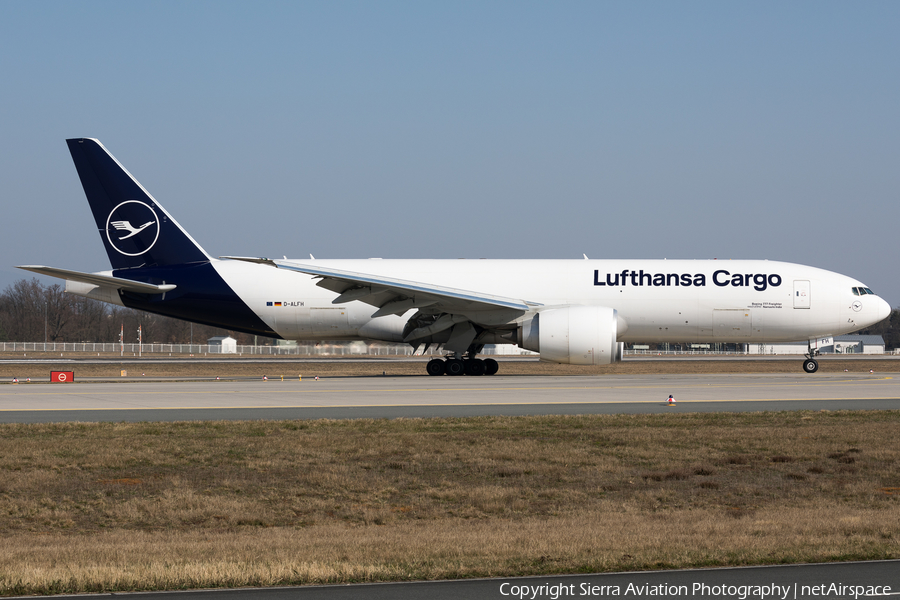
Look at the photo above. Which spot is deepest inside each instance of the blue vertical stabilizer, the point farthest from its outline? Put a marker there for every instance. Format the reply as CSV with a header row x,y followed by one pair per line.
x,y
135,229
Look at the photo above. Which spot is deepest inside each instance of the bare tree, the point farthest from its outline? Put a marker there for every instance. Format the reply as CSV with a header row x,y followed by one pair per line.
x,y
32,312
23,310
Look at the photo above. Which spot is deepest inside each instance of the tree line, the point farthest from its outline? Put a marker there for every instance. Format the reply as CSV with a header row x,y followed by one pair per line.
x,y
33,312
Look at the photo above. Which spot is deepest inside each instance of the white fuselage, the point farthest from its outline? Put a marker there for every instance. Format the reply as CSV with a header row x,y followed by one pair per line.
x,y
659,300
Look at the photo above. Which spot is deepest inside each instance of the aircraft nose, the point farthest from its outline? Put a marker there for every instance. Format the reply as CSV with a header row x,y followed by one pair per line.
x,y
883,310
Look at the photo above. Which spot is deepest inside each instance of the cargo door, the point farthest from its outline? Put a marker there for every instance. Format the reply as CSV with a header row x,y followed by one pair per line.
x,y
801,294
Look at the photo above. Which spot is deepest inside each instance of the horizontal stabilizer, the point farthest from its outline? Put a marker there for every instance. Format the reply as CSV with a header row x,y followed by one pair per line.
x,y
128,285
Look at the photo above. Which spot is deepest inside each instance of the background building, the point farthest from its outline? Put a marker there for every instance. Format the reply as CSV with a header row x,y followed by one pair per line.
x,y
222,345
843,344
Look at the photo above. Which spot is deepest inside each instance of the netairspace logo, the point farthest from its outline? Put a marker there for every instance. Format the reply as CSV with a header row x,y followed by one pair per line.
x,y
771,591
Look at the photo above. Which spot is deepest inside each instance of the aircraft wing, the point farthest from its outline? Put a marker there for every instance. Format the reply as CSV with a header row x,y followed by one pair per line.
x,y
102,280
395,296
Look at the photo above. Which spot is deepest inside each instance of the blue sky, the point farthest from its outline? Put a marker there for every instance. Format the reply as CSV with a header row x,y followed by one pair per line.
x,y
464,129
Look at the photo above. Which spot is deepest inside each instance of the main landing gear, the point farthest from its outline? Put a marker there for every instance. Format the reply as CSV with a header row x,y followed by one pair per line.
x,y
467,366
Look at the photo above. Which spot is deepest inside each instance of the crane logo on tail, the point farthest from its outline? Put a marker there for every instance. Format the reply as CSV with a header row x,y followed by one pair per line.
x,y
127,226
127,238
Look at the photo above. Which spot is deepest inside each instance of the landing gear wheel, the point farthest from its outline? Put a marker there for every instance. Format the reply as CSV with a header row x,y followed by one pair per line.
x,y
490,366
474,366
810,365
435,366
454,366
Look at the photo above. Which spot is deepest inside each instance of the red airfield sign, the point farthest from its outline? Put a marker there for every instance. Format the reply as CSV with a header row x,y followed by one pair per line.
x,y
62,376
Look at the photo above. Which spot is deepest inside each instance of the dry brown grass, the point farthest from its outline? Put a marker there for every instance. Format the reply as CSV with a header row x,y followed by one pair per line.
x,y
104,507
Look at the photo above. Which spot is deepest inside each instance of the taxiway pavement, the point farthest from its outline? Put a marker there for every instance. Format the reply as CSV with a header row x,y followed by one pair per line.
x,y
396,397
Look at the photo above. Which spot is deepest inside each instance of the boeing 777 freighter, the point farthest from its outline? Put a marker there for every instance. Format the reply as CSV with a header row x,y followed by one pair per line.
x,y
570,311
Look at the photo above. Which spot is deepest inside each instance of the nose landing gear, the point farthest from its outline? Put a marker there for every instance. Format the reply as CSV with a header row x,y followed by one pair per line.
x,y
811,365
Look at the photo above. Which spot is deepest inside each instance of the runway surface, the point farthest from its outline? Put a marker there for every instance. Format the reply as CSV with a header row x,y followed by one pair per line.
x,y
395,397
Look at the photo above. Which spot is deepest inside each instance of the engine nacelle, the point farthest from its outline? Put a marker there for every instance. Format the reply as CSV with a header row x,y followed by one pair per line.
x,y
575,335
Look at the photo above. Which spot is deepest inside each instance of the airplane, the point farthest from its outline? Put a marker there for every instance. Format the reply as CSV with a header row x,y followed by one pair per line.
x,y
579,312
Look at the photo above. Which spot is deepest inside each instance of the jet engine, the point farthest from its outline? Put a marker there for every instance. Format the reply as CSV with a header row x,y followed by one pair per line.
x,y
575,335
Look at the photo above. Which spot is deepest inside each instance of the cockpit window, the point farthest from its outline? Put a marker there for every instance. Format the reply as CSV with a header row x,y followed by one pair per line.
x,y
856,291
862,291
868,291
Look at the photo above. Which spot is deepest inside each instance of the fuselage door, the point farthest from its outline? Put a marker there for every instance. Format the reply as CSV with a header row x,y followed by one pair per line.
x,y
801,294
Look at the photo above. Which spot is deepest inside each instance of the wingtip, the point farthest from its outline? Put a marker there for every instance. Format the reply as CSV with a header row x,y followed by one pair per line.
x,y
33,268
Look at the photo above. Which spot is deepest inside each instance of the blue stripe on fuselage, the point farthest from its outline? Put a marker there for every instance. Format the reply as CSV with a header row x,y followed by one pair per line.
x,y
202,296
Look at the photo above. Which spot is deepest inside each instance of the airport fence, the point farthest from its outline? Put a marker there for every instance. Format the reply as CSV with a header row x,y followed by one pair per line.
x,y
311,349
203,349
661,352
321,349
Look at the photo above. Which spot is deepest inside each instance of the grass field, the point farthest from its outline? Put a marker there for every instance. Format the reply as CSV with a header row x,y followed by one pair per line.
x,y
114,507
